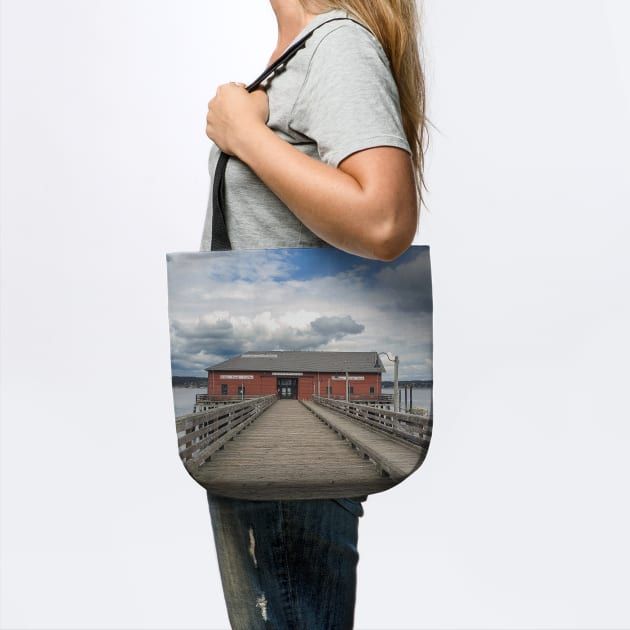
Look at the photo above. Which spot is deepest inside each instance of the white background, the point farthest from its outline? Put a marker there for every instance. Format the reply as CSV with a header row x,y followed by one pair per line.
x,y
519,517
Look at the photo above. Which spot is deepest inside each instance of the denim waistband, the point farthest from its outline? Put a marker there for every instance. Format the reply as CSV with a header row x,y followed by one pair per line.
x,y
354,505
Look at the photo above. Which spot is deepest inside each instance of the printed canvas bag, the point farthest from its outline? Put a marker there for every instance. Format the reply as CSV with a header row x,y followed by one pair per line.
x,y
299,373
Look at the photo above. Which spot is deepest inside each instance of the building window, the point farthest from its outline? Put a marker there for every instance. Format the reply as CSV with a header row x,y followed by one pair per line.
x,y
371,389
224,389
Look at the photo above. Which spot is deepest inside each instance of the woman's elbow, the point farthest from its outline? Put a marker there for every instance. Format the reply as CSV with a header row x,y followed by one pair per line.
x,y
392,238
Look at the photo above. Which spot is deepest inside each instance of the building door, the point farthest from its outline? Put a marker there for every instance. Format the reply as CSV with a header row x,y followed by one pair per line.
x,y
287,387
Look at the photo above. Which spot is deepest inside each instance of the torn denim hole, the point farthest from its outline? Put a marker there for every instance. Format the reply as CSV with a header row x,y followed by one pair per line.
x,y
261,602
252,547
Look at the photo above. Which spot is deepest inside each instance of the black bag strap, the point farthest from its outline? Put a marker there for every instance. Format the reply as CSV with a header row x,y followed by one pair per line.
x,y
220,238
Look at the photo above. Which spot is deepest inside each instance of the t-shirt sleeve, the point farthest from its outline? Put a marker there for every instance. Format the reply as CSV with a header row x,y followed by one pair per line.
x,y
349,99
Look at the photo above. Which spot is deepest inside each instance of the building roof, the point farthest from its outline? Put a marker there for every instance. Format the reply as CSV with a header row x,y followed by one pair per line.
x,y
302,361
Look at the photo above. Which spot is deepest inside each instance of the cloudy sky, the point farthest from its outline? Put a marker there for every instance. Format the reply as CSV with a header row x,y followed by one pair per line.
x,y
222,304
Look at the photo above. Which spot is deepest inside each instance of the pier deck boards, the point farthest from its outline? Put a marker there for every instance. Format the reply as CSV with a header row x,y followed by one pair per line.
x,y
288,450
396,458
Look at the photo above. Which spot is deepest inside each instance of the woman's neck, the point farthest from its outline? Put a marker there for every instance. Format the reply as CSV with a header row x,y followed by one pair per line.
x,y
291,18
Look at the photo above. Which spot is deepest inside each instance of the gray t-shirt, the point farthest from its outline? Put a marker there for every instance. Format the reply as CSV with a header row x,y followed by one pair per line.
x,y
335,96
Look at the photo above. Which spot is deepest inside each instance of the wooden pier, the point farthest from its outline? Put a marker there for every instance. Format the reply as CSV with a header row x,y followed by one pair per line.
x,y
284,448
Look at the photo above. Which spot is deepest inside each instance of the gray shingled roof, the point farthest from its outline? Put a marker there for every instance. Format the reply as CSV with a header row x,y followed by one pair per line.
x,y
302,361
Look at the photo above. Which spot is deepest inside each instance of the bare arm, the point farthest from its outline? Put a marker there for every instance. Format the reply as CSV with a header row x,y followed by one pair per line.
x,y
366,206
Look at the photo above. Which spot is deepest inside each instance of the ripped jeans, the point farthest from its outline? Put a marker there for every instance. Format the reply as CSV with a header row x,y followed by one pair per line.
x,y
287,565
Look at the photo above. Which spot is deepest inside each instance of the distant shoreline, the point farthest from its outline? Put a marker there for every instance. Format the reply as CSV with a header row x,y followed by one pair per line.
x,y
184,382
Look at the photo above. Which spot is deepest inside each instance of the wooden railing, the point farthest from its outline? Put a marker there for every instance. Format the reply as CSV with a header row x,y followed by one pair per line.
x,y
409,427
199,435
376,398
359,398
201,398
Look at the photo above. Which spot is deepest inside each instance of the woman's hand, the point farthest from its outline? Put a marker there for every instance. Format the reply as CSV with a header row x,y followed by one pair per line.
x,y
234,114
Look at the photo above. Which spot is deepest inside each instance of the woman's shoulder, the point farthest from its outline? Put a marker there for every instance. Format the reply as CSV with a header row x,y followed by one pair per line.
x,y
345,40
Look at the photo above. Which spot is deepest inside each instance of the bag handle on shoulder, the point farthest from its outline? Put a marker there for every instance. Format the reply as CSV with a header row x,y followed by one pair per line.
x,y
220,238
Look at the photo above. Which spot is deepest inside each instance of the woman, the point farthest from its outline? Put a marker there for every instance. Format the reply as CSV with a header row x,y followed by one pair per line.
x,y
328,151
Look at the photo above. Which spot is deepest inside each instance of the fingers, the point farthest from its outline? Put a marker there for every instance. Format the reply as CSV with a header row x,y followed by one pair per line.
x,y
223,85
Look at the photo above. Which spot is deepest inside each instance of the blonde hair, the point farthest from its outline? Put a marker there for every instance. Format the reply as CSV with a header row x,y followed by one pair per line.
x,y
396,24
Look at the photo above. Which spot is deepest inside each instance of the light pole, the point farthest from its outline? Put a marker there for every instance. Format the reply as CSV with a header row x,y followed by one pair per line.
x,y
395,360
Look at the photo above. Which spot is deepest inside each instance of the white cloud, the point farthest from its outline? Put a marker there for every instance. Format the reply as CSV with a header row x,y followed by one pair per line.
x,y
225,305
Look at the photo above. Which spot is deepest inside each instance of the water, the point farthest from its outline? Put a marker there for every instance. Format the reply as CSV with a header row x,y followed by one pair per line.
x,y
421,396
184,398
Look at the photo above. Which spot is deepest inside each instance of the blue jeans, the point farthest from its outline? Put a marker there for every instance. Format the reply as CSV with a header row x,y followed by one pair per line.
x,y
287,565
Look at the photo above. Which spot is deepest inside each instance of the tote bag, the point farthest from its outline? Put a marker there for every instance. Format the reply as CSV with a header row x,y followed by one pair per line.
x,y
299,373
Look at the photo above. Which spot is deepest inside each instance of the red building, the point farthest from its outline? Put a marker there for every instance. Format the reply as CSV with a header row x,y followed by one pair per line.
x,y
297,374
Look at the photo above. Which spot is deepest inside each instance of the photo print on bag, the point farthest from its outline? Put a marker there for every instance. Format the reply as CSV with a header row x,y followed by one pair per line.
x,y
301,372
